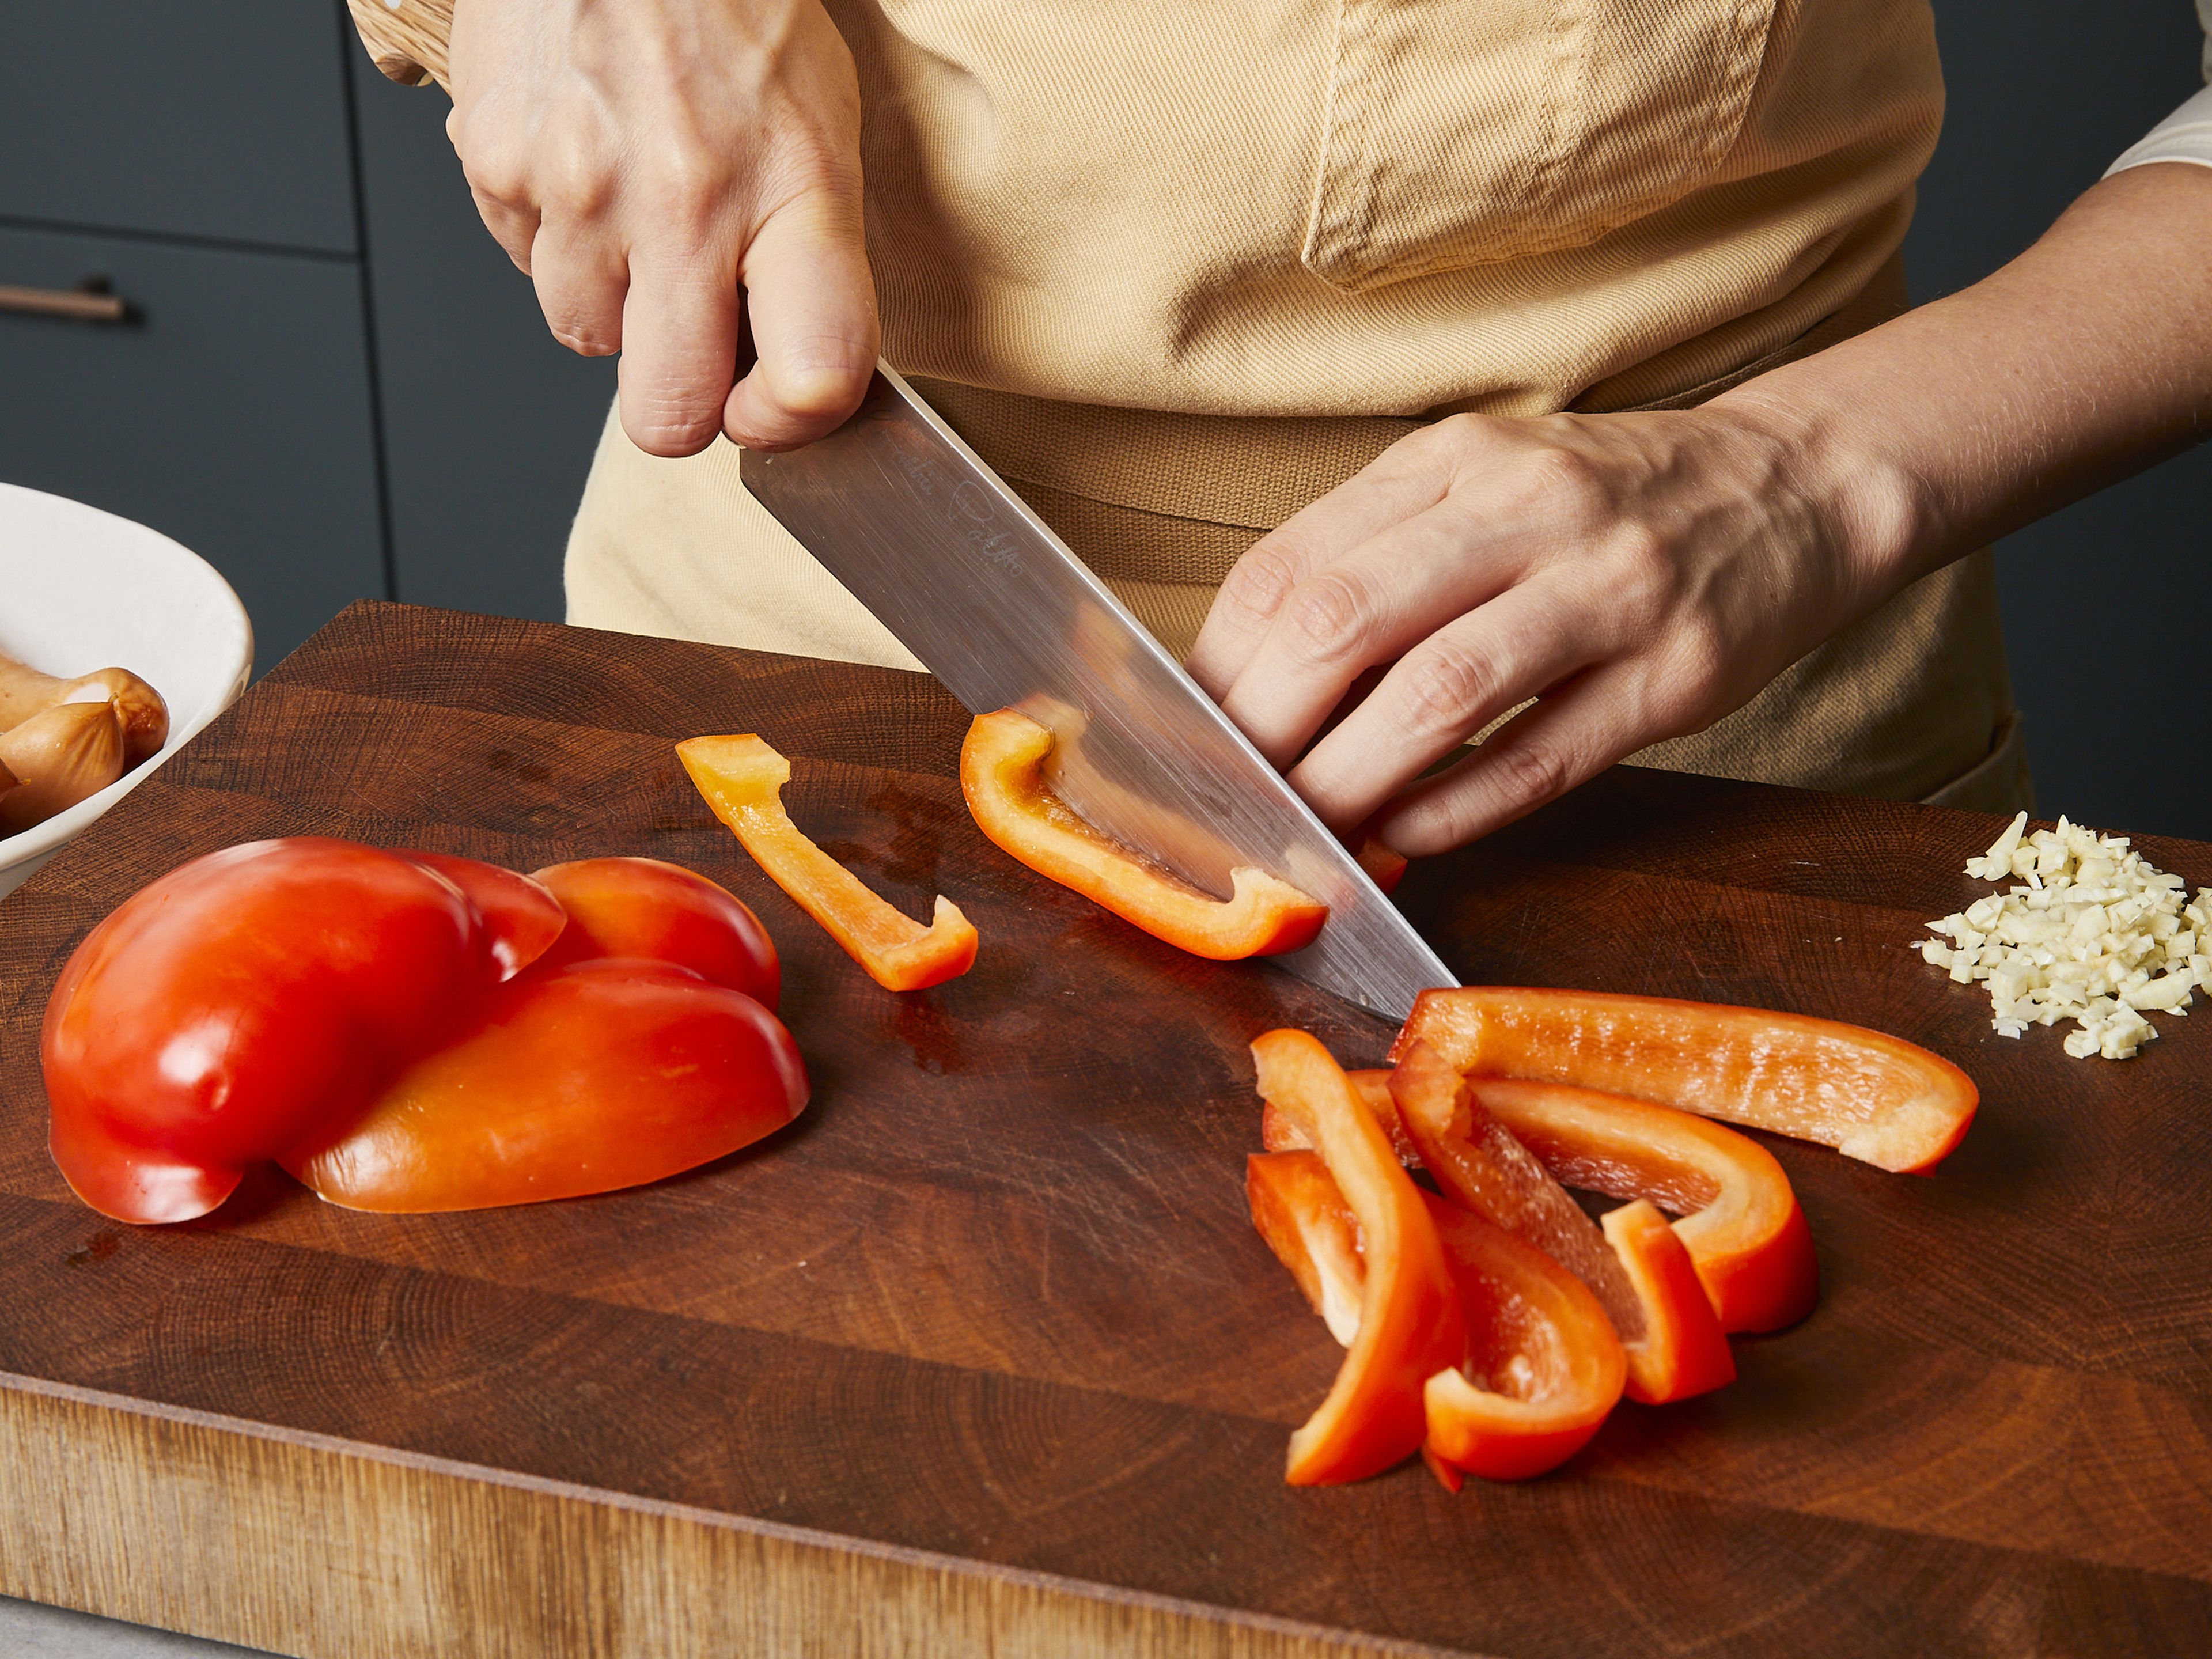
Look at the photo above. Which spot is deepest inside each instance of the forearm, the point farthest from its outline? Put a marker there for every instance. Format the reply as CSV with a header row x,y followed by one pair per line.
x,y
2086,359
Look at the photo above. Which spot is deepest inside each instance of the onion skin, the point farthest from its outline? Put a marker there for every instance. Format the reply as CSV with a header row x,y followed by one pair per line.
x,y
61,756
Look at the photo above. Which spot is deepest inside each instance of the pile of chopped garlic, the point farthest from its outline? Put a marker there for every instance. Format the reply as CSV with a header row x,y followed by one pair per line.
x,y
2095,936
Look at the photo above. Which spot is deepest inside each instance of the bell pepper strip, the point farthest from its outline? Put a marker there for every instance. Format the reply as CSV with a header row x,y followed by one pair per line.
x,y
1872,1096
1740,1219
1298,1209
578,1079
646,908
1001,776
521,919
743,779
1410,1325
1543,1366
1385,868
1683,1351
1746,1232
1479,1164
222,1010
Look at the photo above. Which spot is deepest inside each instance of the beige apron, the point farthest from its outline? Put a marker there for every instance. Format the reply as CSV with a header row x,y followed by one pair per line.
x,y
1176,272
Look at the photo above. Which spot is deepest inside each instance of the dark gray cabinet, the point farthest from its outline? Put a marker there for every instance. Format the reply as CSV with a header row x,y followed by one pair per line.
x,y
231,410
224,121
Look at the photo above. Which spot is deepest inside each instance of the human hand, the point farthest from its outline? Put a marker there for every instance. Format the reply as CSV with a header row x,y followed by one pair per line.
x,y
648,162
1638,575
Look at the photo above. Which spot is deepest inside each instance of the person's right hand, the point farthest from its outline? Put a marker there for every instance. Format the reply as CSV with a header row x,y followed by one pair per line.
x,y
655,165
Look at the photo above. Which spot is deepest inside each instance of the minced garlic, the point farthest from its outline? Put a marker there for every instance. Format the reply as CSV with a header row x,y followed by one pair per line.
x,y
2096,936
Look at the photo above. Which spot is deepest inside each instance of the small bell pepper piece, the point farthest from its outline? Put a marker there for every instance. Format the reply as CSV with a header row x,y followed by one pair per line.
x,y
743,779
1000,775
521,918
1683,1351
1741,1221
579,1079
1385,868
645,908
1870,1095
1410,1325
224,1010
1479,1165
1745,1233
1543,1367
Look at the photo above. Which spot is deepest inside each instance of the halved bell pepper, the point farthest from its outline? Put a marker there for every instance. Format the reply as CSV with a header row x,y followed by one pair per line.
x,y
1001,776
1410,1325
580,1079
1741,1221
1745,1233
743,779
1870,1095
1683,1351
223,1010
629,906
1660,1314
1543,1367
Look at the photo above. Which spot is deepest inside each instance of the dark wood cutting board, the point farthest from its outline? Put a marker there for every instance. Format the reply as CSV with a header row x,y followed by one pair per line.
x,y
983,1354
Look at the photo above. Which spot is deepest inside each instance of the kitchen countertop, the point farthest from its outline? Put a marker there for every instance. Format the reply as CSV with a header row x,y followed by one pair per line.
x,y
983,1349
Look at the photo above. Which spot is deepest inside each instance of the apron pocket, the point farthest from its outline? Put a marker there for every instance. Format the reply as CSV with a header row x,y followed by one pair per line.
x,y
1462,132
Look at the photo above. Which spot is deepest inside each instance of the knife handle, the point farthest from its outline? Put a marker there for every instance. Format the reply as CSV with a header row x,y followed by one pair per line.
x,y
407,39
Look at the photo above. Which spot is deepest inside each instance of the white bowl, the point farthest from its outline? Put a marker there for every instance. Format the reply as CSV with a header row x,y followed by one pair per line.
x,y
81,589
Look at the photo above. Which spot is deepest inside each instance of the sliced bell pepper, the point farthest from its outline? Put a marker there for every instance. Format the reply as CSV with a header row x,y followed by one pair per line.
x,y
1479,1165
1385,868
743,779
578,1079
1410,1325
1683,1351
1741,1220
626,907
1001,776
1870,1095
1543,1367
219,1014
1660,1314
521,918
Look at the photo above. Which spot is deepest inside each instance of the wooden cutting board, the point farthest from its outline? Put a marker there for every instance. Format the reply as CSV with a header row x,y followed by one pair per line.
x,y
983,1355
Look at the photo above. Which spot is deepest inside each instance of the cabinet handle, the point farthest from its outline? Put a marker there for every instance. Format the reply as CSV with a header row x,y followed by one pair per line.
x,y
92,303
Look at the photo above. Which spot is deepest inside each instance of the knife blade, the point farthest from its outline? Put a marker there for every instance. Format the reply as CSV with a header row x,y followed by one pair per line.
x,y
932,541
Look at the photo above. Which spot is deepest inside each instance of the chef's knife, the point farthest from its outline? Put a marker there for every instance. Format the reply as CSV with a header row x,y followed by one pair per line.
x,y
952,561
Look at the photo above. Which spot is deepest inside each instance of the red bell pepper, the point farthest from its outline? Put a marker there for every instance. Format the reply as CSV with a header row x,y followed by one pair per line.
x,y
1480,1166
1741,1221
521,917
1001,776
1683,1351
220,1013
1745,1233
1543,1367
1870,1095
578,1078
743,779
1410,1325
624,907
1660,1314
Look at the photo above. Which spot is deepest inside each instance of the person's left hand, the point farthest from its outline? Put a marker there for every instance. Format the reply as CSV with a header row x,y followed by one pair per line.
x,y
1638,575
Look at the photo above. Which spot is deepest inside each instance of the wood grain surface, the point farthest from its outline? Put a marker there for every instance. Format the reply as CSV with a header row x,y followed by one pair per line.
x,y
983,1355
